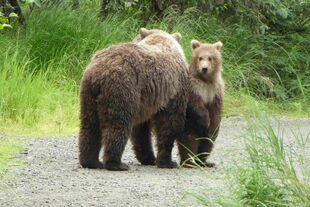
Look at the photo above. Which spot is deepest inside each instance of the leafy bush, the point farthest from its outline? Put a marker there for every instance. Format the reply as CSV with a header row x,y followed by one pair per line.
x,y
262,15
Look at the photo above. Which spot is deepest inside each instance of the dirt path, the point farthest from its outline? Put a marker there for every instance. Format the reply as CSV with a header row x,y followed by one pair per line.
x,y
52,176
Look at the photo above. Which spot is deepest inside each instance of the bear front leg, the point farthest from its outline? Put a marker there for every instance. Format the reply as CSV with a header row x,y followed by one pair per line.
x,y
142,143
206,145
196,129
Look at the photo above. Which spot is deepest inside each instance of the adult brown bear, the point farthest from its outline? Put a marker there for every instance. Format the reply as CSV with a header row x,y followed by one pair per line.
x,y
122,89
203,115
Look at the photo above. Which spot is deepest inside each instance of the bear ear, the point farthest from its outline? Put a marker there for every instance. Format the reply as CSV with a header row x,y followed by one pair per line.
x,y
195,44
218,45
177,36
144,32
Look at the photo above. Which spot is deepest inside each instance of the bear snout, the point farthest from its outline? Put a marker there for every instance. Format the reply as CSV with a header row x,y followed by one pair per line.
x,y
204,70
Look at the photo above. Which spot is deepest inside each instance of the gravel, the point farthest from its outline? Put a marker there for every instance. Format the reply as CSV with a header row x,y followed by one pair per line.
x,y
53,177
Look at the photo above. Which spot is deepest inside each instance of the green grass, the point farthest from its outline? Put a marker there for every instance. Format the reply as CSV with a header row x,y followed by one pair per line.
x,y
43,64
240,102
271,173
9,147
34,101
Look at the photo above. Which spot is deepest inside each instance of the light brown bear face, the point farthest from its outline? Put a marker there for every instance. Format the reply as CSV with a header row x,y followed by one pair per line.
x,y
206,60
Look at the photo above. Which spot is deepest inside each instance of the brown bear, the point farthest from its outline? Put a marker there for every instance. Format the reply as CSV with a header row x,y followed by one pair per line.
x,y
122,89
203,115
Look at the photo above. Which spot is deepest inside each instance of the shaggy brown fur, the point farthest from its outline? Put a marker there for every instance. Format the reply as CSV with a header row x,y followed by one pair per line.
x,y
205,105
122,89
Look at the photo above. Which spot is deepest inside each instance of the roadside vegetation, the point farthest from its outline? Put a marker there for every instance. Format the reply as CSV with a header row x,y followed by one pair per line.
x,y
274,171
43,62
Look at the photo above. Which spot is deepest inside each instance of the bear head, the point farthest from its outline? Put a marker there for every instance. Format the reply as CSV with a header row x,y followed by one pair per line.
x,y
146,32
206,60
160,41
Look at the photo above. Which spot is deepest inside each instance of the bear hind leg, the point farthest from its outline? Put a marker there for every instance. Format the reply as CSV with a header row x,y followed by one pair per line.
x,y
169,125
90,135
142,143
90,145
114,141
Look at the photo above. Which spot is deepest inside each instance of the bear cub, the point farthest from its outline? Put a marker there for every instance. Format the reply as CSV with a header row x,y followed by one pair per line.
x,y
203,115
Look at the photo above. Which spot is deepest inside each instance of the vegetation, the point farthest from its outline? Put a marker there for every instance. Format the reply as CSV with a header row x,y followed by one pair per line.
x,y
44,61
272,175
8,148
269,174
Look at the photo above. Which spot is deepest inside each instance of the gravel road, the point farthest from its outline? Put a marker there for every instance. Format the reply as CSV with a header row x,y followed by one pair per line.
x,y
52,176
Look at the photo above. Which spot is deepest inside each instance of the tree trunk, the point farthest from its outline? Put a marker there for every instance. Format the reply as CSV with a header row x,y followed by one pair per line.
x,y
18,11
75,4
3,8
158,8
103,8
179,5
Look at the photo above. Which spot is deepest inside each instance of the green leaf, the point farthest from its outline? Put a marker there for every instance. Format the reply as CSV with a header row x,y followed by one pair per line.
x,y
13,15
283,12
36,2
3,20
6,25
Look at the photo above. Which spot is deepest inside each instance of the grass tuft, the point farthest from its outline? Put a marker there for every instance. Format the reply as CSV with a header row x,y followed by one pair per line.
x,y
273,174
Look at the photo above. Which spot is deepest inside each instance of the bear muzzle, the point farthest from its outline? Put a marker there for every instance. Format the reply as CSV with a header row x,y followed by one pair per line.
x,y
204,70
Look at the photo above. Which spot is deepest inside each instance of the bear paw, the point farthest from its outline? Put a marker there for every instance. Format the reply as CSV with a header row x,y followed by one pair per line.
x,y
93,165
190,164
209,164
170,164
148,161
116,166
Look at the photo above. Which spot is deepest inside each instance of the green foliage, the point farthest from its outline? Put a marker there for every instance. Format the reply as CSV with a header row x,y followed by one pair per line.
x,y
272,175
9,147
28,98
261,15
44,62
68,39
4,22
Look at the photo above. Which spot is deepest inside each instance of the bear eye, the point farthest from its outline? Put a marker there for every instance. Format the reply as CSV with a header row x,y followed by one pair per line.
x,y
200,59
209,59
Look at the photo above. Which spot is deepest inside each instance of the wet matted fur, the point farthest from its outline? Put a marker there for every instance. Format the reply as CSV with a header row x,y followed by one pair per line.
x,y
122,90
